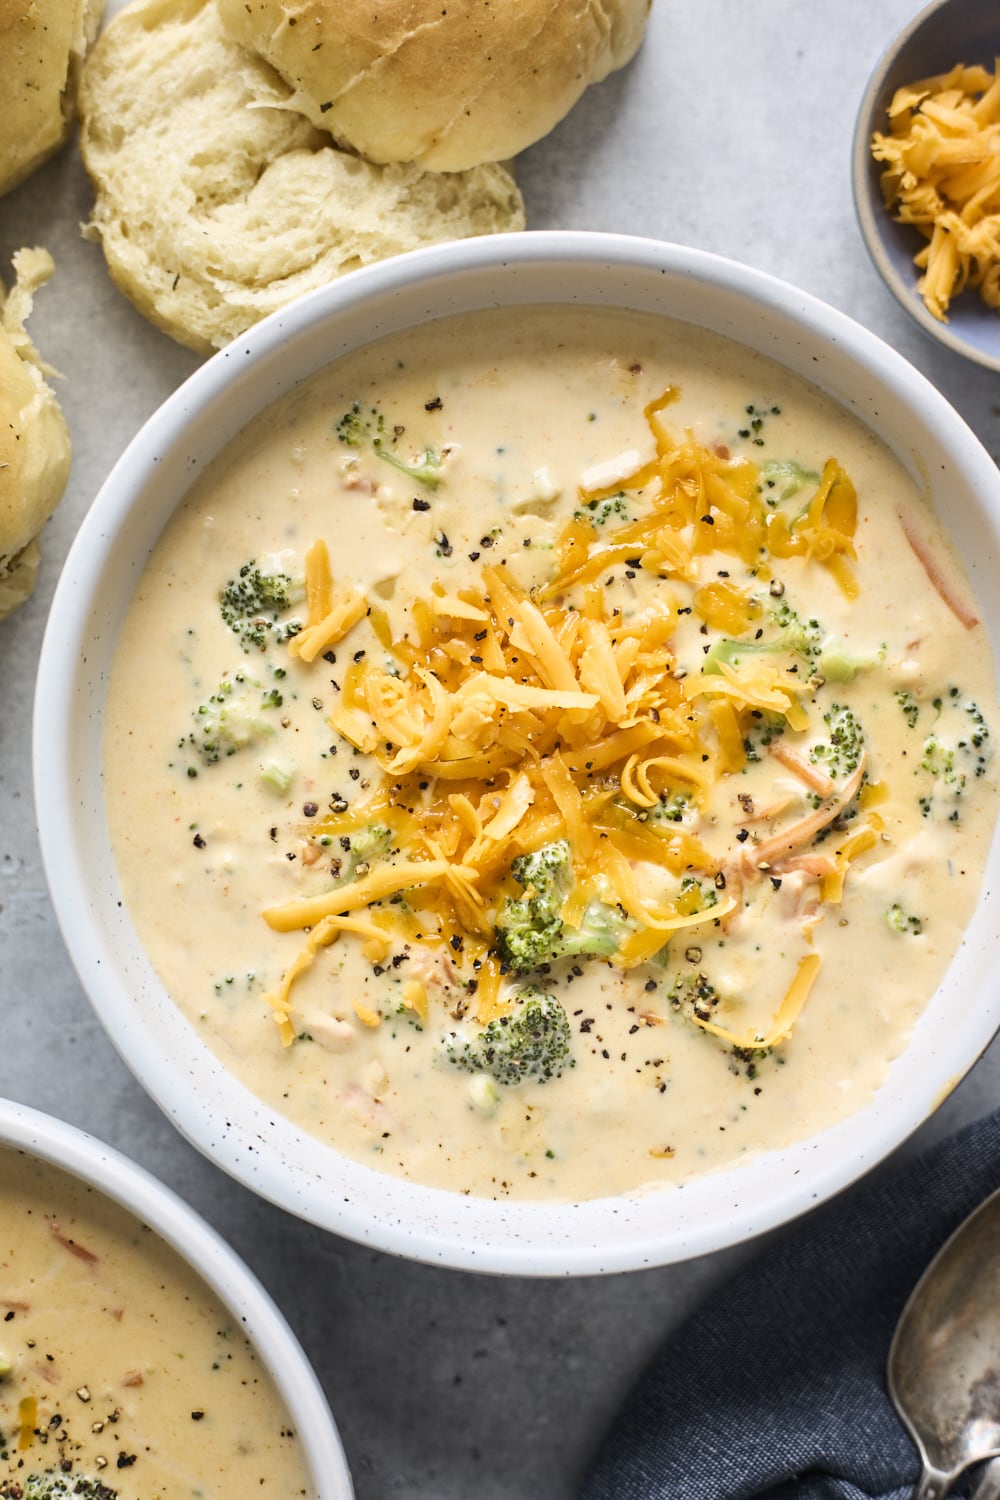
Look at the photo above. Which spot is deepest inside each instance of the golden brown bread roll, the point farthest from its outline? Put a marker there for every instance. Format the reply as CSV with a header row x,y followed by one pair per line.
x,y
447,86
34,439
217,202
42,43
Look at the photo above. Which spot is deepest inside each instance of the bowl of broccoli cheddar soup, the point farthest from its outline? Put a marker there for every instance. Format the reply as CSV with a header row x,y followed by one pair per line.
x,y
514,754
138,1356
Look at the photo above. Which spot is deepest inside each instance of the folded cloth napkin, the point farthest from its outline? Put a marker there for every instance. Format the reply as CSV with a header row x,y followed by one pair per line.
x,y
776,1388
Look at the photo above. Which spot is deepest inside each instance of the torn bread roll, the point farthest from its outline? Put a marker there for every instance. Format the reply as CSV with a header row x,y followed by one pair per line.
x,y
34,438
42,44
217,202
445,86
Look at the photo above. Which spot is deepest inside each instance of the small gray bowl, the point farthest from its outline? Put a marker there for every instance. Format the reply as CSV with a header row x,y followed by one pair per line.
x,y
944,33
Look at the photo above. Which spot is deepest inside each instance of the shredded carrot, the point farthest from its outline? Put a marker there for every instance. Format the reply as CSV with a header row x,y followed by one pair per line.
x,y
962,611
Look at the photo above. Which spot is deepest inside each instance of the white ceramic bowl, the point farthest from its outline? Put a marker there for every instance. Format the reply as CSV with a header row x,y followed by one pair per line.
x,y
208,1105
88,1160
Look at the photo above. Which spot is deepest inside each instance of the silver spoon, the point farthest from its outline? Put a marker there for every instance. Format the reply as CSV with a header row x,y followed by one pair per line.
x,y
988,1487
944,1361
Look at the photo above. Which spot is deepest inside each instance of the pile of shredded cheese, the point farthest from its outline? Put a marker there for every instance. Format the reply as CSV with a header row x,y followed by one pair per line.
x,y
942,174
505,720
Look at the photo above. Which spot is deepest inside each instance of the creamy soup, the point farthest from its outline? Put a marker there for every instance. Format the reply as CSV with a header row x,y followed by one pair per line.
x,y
549,755
120,1373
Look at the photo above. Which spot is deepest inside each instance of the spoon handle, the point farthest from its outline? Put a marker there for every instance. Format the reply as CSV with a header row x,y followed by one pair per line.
x,y
988,1487
932,1485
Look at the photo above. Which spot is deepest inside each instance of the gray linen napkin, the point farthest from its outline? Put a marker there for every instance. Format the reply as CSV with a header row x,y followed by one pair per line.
x,y
775,1389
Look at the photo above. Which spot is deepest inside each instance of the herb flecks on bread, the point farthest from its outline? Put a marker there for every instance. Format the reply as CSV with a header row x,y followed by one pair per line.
x,y
34,439
42,43
446,86
217,202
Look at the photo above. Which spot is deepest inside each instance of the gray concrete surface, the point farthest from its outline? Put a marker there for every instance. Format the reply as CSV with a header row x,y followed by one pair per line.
x,y
731,131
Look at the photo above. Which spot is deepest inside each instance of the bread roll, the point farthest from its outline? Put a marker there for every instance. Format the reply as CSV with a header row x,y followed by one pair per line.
x,y
446,86
42,43
34,439
217,202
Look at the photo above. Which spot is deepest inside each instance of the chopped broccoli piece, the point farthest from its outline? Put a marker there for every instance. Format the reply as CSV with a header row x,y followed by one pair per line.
x,y
356,428
484,1093
825,656
802,638
251,605
694,996
957,751
897,920
841,753
672,808
694,896
530,930
238,714
531,1044
277,776
836,664
599,512
786,478
361,849
909,706
54,1484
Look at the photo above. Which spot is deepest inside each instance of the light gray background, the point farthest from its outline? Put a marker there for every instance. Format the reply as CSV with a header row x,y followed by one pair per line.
x,y
731,131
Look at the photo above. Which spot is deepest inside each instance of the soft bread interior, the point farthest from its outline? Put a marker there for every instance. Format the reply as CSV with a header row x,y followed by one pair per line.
x,y
217,202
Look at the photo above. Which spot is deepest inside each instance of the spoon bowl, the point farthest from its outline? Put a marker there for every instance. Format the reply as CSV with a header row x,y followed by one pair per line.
x,y
944,1361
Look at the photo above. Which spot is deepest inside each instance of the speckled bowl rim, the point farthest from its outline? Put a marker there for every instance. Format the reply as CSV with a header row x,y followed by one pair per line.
x,y
873,219
148,1200
236,1130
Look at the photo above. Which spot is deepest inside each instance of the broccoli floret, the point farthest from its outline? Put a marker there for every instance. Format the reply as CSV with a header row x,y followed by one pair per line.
x,y
530,930
357,428
529,926
530,1044
803,638
54,1485
959,750
251,605
841,753
239,713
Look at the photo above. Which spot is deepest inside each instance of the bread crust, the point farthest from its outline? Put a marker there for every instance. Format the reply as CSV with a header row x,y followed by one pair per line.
x,y
34,438
42,43
217,202
447,84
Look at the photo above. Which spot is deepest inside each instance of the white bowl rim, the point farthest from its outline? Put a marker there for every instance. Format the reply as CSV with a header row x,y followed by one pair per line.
x,y
597,1236
142,1195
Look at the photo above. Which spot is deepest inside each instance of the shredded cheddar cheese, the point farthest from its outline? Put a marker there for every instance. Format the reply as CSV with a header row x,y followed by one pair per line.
x,y
504,719
942,175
